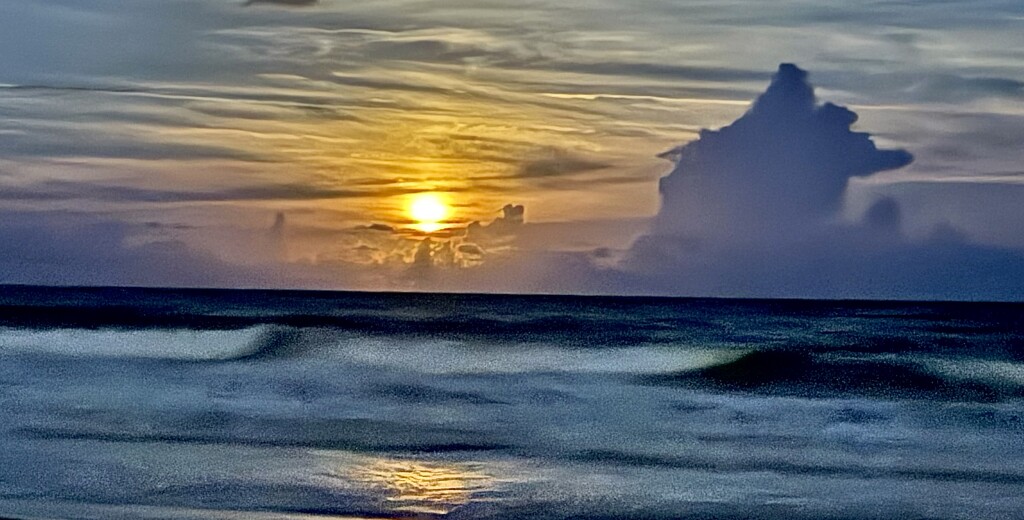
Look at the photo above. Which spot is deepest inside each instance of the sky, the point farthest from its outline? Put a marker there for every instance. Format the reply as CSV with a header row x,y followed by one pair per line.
x,y
697,148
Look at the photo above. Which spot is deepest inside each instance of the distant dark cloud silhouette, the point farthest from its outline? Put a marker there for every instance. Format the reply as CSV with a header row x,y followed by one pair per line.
x,y
988,211
785,163
883,216
471,249
380,227
63,248
753,209
512,218
556,163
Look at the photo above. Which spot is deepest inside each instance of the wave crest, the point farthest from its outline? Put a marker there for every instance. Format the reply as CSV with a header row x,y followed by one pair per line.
x,y
838,374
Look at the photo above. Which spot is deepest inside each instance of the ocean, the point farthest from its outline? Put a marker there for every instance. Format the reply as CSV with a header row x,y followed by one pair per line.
x,y
230,404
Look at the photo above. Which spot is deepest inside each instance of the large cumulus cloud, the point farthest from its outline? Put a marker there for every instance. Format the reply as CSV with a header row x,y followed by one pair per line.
x,y
784,164
753,209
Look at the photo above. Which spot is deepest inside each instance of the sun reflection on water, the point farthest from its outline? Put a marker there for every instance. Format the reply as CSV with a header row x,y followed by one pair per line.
x,y
424,488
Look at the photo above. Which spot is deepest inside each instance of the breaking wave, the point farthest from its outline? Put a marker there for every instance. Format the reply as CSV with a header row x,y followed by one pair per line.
x,y
834,374
176,344
777,371
433,356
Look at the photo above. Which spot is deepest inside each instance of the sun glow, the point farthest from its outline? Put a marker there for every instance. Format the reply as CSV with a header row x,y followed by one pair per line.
x,y
428,210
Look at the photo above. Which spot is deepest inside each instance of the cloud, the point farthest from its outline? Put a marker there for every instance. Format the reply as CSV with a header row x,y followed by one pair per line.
x,y
753,209
62,248
220,102
883,216
662,70
76,248
952,87
471,249
783,164
557,163
86,142
984,207
59,190
285,3
512,218
380,227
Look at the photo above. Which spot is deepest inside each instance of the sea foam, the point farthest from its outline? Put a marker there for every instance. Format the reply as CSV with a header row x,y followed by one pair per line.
x,y
177,344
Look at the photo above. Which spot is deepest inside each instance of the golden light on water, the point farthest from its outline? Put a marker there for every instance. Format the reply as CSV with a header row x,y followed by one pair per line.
x,y
428,210
424,488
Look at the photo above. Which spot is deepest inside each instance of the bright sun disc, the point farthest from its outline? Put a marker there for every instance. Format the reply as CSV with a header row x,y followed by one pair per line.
x,y
428,210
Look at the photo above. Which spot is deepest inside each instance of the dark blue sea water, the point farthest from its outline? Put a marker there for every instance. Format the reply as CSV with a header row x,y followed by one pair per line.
x,y
131,403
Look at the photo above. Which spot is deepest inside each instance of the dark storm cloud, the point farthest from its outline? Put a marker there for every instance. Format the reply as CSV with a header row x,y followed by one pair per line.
x,y
752,210
785,163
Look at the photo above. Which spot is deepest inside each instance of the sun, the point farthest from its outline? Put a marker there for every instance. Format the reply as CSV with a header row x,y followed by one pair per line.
x,y
428,210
